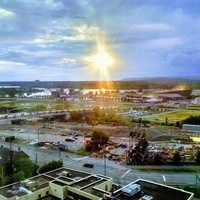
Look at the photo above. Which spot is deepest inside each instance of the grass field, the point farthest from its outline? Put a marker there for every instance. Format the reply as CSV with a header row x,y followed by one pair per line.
x,y
27,105
196,139
174,116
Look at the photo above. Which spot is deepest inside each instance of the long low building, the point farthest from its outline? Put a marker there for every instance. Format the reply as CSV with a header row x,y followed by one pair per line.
x,y
65,183
191,128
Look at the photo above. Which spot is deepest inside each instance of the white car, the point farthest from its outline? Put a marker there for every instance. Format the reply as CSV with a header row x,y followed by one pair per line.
x,y
22,130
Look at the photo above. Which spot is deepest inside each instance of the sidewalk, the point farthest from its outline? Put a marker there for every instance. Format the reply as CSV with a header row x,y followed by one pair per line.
x,y
167,167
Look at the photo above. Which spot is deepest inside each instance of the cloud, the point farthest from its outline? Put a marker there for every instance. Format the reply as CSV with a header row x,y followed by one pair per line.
x,y
52,37
163,43
5,13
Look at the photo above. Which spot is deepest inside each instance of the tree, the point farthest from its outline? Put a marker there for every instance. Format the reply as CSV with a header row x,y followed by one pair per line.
x,y
176,158
11,92
197,159
157,159
192,120
19,176
88,119
6,180
99,138
76,116
27,166
142,145
97,112
51,166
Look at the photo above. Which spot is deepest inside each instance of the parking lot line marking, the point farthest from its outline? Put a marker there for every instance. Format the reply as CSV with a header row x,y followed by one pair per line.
x,y
164,178
126,173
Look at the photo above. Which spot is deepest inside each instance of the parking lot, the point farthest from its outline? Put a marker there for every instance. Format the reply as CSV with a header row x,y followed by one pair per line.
x,y
27,134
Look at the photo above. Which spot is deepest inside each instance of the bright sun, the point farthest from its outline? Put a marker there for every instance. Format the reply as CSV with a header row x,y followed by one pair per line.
x,y
101,60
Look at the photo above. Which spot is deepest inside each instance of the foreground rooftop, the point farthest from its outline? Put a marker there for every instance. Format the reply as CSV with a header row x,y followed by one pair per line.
x,y
65,183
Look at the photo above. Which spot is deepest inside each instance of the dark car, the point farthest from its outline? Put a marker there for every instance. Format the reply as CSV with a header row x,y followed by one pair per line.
x,y
90,165
69,139
62,147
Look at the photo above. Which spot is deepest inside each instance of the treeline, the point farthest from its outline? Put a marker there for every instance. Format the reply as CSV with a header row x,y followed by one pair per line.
x,y
128,85
195,120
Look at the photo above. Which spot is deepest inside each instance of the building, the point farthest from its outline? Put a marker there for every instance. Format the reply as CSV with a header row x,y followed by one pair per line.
x,y
191,128
9,156
174,95
65,184
196,101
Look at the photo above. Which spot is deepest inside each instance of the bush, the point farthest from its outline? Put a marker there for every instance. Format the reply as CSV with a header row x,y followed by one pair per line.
x,y
51,166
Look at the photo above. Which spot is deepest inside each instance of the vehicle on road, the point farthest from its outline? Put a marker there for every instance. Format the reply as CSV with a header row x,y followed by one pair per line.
x,y
89,165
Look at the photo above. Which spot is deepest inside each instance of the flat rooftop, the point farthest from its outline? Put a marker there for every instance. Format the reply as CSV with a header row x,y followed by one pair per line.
x,y
91,183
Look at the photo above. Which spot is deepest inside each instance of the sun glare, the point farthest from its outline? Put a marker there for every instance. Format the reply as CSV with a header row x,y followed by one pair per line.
x,y
101,60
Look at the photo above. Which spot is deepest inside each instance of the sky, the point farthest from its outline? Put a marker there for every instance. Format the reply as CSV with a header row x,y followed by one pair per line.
x,y
60,40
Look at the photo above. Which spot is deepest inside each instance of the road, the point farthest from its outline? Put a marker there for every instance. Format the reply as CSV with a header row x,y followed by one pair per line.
x,y
122,174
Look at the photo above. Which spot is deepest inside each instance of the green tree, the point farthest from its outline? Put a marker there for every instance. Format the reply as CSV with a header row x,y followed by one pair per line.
x,y
76,116
11,92
192,120
197,159
51,166
88,119
25,165
97,112
176,158
6,180
19,176
99,138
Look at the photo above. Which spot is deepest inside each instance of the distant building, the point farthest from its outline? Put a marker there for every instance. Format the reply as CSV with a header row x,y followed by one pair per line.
x,y
195,93
191,127
175,95
196,101
65,183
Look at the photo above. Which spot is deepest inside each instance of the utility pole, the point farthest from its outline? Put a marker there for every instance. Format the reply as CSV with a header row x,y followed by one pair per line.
x,y
38,134
197,181
36,157
104,155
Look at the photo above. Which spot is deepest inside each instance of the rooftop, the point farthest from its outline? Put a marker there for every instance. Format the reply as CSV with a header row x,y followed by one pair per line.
x,y
82,184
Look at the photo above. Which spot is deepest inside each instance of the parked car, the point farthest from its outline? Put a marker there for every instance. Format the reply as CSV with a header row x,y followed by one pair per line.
x,y
63,134
22,130
62,147
89,165
69,139
123,145
75,137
